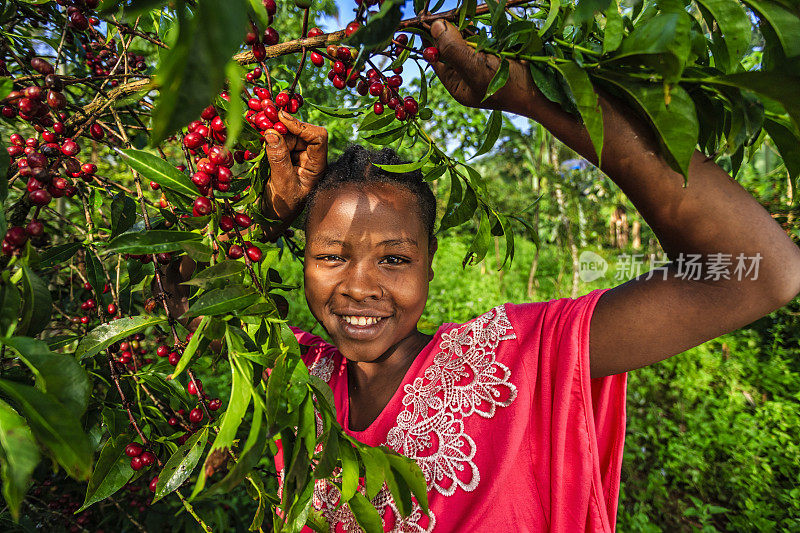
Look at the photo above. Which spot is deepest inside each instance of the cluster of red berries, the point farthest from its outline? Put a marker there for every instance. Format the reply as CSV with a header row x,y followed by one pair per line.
x,y
102,60
270,36
64,500
79,14
17,236
263,111
140,458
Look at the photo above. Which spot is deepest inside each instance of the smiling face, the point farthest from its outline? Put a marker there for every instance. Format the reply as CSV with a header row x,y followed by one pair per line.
x,y
367,268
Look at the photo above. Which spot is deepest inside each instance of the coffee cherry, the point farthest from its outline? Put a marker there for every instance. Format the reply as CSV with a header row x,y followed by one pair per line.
x,y
16,236
88,168
254,254
155,186
134,449
84,320
377,108
195,415
431,54
351,28
56,100
78,21
209,113
281,128
235,251
148,458
225,223
271,36
137,463
242,220
214,404
270,6
34,228
174,357
343,53
400,113
316,59
339,68
202,206
112,309
153,484
259,52
40,197
191,388
41,66
339,83
172,421
410,105
96,131
193,140
282,99
162,351
314,32
201,180
70,148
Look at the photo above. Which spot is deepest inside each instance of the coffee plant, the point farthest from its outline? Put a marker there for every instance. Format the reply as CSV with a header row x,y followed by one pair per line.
x,y
133,138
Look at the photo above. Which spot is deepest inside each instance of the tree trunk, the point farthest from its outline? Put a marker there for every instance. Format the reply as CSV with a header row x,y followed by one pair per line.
x,y
636,234
565,221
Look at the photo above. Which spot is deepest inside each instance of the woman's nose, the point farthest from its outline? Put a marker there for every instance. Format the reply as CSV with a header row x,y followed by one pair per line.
x,y
361,283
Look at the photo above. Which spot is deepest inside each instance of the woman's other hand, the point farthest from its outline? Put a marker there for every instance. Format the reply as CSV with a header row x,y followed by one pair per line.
x,y
466,74
297,161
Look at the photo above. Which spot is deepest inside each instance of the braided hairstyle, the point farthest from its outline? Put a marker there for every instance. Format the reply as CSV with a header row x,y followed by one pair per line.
x,y
356,166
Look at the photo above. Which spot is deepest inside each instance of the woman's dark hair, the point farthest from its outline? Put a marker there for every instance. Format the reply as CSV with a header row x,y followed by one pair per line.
x,y
356,166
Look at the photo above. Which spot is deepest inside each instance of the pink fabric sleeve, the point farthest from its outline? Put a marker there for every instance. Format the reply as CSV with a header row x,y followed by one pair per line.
x,y
317,346
577,423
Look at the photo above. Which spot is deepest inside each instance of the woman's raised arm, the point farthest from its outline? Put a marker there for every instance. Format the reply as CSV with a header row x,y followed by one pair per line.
x,y
646,320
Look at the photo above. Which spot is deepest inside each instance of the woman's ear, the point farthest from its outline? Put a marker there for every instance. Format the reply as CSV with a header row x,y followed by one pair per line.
x,y
432,247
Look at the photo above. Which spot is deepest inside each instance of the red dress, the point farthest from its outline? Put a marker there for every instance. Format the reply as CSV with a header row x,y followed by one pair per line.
x,y
502,417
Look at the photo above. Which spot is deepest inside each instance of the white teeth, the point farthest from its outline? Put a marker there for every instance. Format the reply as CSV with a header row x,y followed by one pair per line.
x,y
362,320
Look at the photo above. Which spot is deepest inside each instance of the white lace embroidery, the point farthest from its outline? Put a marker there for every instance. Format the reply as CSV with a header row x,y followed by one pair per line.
x,y
322,368
464,379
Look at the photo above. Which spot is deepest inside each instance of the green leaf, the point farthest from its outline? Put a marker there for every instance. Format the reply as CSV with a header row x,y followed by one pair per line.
x,y
498,80
153,241
374,464
386,137
197,251
349,470
56,374
379,28
676,124
250,455
376,122
156,169
123,214
192,70
460,206
221,271
55,426
223,300
614,30
19,455
587,102
191,348
735,26
9,308
111,473
338,112
241,391
784,23
234,116
180,466
492,133
365,513
480,244
407,167
94,272
107,334
665,38
330,451
787,142
586,9
58,254
37,304
412,475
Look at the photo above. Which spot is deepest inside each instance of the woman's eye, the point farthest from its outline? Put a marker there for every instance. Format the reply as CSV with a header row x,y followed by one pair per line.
x,y
394,260
330,258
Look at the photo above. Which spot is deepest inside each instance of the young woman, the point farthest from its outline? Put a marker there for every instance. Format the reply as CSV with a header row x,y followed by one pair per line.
x,y
516,418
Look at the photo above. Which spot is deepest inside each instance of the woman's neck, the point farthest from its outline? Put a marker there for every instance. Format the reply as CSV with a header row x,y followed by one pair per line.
x,y
390,367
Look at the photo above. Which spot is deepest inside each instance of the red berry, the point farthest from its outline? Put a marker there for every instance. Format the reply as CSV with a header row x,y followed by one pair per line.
x,y
195,415
148,458
343,53
137,463
400,113
225,223
202,205
410,105
259,52
316,59
155,186
377,108
192,389
254,253
281,128
40,197
134,449
201,179
313,32
112,309
394,81
172,421
70,148
235,251
271,36
271,112
16,236
193,140
431,54
282,99
339,83
162,351
242,220
351,28
84,320
88,168
214,404
375,88
339,68
174,357
153,484
209,113
34,228
270,6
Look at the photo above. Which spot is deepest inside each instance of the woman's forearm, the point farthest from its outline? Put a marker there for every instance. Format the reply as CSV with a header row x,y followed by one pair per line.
x,y
713,214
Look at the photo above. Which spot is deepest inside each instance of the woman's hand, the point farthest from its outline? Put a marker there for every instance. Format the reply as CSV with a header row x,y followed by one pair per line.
x,y
297,161
466,74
